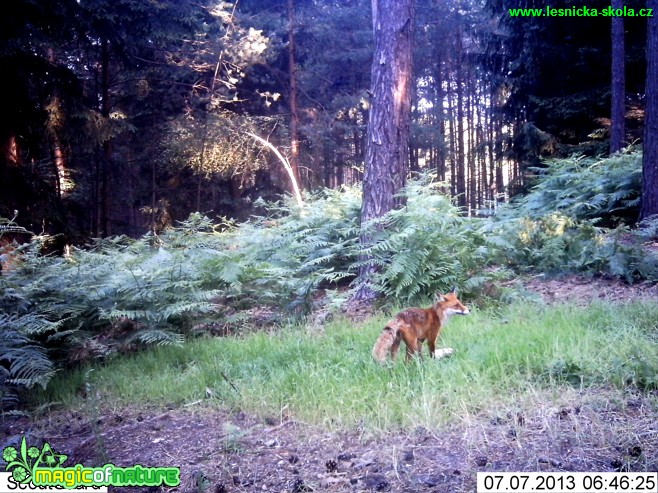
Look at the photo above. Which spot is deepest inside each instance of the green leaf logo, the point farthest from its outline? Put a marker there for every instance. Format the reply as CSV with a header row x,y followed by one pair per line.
x,y
22,462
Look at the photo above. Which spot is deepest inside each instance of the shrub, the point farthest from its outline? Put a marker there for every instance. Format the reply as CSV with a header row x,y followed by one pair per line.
x,y
560,226
427,246
606,190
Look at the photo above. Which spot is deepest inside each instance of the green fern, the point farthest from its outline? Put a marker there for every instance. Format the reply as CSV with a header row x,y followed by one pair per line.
x,y
24,362
427,246
583,188
564,223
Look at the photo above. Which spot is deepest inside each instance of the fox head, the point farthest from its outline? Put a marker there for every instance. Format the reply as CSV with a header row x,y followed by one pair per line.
x,y
450,304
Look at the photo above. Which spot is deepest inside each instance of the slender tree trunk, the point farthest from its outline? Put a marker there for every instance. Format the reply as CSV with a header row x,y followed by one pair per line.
x,y
107,145
154,197
481,144
55,125
452,140
500,147
472,147
414,158
650,156
491,137
618,86
294,91
461,166
440,117
387,144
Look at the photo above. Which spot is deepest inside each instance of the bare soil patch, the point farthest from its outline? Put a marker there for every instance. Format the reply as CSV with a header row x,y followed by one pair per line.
x,y
219,451
582,290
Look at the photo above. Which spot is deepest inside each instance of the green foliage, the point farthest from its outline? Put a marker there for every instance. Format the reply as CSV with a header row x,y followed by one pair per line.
x,y
552,244
505,358
559,226
28,325
603,189
281,259
24,363
121,294
426,246
113,297
557,244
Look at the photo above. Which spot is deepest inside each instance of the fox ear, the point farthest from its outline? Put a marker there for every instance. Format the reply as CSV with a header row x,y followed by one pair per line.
x,y
438,298
454,290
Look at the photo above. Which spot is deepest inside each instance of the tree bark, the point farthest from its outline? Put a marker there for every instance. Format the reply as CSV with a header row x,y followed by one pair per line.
x,y
387,142
650,156
618,85
452,138
293,96
55,125
107,144
471,147
461,165
440,117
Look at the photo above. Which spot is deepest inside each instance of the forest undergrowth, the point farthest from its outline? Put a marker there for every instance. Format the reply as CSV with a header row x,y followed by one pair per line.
x,y
508,359
228,350
200,279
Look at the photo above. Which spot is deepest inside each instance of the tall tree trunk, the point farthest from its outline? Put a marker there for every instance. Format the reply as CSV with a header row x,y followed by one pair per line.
x,y
618,86
461,165
294,91
650,157
472,147
440,121
387,142
491,137
54,126
107,144
481,144
452,139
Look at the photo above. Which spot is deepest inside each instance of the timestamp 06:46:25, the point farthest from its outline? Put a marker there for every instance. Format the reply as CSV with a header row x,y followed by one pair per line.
x,y
567,482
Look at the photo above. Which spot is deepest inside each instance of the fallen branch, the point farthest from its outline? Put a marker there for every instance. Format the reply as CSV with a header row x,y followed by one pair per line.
x,y
286,164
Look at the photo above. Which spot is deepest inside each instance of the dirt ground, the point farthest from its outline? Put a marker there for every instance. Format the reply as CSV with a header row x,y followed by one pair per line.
x,y
582,290
219,451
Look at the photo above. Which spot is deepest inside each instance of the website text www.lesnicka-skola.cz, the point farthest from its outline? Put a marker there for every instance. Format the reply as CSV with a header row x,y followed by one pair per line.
x,y
581,11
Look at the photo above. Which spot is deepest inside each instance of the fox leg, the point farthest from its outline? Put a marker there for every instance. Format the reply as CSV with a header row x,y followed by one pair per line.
x,y
411,342
395,347
432,345
412,349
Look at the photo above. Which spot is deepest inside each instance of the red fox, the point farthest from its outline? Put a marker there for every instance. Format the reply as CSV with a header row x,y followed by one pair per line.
x,y
414,325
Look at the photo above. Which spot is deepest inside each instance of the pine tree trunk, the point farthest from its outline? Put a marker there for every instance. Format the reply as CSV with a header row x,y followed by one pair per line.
x,y
441,148
481,144
618,86
491,137
55,126
387,145
453,145
650,157
294,106
461,165
472,148
104,229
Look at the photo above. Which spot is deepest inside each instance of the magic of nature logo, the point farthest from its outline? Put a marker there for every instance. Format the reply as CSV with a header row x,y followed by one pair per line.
x,y
43,467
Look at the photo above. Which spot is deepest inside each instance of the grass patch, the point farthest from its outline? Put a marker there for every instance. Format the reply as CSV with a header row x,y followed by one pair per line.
x,y
504,358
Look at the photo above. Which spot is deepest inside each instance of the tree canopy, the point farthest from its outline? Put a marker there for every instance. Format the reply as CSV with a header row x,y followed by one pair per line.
x,y
121,117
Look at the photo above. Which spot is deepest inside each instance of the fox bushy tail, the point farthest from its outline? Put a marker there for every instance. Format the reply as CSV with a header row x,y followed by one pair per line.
x,y
384,343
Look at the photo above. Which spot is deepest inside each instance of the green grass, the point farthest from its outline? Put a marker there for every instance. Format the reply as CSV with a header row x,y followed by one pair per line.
x,y
506,359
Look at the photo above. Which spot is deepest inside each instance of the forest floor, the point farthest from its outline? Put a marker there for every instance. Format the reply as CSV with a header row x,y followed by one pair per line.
x,y
220,451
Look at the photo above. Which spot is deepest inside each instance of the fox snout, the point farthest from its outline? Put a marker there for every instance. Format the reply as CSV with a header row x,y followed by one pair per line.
x,y
457,311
